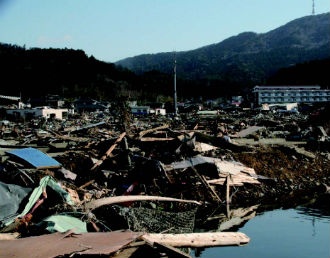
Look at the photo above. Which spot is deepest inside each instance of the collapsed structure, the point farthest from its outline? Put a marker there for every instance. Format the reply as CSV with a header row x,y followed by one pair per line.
x,y
129,183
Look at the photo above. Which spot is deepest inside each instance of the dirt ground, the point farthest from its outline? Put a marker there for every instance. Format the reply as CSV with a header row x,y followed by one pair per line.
x,y
295,177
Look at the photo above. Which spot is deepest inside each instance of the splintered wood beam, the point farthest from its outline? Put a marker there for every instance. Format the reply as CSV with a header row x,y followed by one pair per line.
x,y
198,239
131,198
155,139
228,189
142,133
109,151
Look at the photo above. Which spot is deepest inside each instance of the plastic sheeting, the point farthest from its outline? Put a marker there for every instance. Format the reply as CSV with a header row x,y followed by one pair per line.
x,y
63,223
37,192
11,196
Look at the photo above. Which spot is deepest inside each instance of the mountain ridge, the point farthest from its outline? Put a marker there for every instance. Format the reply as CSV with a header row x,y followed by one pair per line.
x,y
233,70
297,41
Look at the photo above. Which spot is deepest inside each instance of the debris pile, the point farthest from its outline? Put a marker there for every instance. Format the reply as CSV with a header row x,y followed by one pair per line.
x,y
155,175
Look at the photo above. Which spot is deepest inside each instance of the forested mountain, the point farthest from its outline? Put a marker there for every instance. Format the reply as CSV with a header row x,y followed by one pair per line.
x,y
248,57
309,73
296,53
67,72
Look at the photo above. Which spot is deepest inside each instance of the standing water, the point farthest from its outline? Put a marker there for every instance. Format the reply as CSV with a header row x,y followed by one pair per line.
x,y
283,233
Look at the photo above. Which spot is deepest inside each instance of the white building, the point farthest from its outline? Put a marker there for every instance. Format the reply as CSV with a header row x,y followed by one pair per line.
x,y
46,112
140,110
158,111
289,94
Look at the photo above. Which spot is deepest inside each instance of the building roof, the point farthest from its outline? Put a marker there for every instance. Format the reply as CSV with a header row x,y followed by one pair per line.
x,y
287,87
35,157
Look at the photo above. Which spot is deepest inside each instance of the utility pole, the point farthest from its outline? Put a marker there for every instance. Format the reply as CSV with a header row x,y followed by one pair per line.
x,y
175,95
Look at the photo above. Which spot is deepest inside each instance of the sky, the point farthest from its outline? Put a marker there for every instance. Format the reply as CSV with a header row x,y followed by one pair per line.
x,y
111,30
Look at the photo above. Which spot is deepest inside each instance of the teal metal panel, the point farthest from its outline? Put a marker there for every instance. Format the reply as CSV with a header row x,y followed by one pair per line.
x,y
35,157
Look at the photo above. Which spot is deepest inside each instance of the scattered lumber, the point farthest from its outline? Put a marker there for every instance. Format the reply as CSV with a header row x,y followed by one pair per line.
x,y
109,151
155,139
142,133
9,236
198,239
130,198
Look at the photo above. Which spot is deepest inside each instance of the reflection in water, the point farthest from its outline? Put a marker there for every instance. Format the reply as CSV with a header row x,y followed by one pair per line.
x,y
230,219
227,219
312,212
298,232
314,215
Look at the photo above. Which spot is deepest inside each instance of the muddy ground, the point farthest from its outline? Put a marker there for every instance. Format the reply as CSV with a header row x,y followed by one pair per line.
x,y
295,179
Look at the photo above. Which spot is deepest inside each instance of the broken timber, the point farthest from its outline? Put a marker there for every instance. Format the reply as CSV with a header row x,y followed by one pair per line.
x,y
129,198
142,133
107,243
198,239
230,173
109,151
154,139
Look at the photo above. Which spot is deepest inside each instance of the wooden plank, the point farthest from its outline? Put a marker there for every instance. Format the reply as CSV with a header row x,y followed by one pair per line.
x,y
109,151
207,186
131,198
9,236
236,180
199,239
156,139
142,133
228,200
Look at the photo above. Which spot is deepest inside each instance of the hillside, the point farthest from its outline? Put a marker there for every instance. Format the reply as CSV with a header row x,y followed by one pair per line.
x,y
248,57
296,53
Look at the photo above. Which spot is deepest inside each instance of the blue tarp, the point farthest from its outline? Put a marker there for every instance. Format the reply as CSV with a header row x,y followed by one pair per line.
x,y
35,157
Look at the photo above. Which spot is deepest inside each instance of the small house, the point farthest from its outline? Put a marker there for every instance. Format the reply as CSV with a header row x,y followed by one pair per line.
x,y
45,112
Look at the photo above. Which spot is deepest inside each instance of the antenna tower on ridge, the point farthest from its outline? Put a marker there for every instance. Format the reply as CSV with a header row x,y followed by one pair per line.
x,y
313,8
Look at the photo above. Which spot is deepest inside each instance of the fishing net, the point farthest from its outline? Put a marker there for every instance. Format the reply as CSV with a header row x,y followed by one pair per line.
x,y
157,220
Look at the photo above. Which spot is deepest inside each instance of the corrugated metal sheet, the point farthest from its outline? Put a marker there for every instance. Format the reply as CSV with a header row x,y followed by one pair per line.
x,y
35,157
